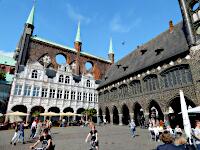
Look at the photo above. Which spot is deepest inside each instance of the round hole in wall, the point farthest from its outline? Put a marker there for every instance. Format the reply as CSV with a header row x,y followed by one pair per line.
x,y
195,6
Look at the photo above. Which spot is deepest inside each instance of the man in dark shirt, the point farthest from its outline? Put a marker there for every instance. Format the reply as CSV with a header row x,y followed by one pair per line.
x,y
46,141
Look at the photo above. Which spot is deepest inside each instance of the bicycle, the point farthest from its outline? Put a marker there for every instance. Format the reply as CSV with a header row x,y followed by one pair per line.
x,y
92,145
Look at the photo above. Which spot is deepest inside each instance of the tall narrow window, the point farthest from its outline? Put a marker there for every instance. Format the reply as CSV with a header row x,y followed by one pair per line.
x,y
66,95
52,93
73,95
88,83
36,91
44,92
59,94
67,79
84,96
18,89
60,79
79,95
151,83
34,74
90,97
27,90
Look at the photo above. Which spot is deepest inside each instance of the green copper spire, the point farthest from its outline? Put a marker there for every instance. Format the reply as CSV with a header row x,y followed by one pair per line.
x,y
78,34
30,19
111,47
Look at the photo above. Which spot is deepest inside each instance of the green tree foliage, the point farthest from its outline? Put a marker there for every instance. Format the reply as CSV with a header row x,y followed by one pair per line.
x,y
36,114
90,113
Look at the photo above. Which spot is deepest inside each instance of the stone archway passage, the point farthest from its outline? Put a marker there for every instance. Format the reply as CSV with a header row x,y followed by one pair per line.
x,y
115,115
175,118
100,115
79,111
155,111
20,108
54,119
138,114
68,109
125,115
107,115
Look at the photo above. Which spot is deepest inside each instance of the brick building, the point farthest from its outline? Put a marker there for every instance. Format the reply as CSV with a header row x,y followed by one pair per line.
x,y
147,81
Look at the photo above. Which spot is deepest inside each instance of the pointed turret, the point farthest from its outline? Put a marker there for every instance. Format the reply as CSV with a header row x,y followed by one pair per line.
x,y
111,52
77,42
30,19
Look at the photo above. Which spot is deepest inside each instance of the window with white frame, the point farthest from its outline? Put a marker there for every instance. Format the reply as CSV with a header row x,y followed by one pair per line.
x,y
27,90
36,91
88,83
67,79
79,95
59,94
18,89
84,96
52,93
61,79
90,97
95,97
66,95
73,95
34,74
44,92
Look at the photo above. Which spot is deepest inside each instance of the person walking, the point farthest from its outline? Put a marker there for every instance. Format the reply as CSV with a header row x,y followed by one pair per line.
x,y
132,128
38,129
33,129
21,132
16,134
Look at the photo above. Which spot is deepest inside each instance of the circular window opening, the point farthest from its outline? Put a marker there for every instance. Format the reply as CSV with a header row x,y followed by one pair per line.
x,y
60,59
88,66
195,6
198,31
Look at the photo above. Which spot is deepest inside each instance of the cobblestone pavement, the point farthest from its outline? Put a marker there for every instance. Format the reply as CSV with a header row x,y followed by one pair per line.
x,y
73,138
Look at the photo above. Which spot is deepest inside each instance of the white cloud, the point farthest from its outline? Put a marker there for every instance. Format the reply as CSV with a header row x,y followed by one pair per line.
x,y
76,16
10,54
117,24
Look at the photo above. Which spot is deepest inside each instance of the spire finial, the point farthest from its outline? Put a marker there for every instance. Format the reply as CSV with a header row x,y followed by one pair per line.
x,y
30,19
78,34
111,47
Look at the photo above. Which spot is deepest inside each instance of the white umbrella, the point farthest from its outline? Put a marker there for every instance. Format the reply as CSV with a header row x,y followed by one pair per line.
x,y
194,110
16,113
186,120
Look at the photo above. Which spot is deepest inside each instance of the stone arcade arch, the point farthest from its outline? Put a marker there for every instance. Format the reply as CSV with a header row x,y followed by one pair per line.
x,y
125,114
107,112
115,115
56,110
138,114
68,109
100,115
35,111
174,117
20,108
155,111
79,111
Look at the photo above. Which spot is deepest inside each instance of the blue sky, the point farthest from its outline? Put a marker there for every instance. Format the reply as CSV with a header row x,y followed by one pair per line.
x,y
132,21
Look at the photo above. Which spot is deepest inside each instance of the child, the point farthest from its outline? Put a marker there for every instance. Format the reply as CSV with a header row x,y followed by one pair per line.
x,y
94,136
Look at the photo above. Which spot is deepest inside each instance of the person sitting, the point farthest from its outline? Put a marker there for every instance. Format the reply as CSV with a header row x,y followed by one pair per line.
x,y
46,140
177,131
197,134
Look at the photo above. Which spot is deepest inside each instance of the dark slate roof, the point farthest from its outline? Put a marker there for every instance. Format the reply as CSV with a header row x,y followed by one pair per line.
x,y
173,44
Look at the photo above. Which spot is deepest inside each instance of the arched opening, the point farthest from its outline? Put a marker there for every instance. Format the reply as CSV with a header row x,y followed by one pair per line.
x,y
115,115
88,67
68,109
20,108
107,115
36,111
155,112
61,59
54,119
79,111
138,115
174,117
100,115
125,115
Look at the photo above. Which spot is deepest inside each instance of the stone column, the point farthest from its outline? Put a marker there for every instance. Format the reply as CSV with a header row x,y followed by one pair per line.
x,y
120,119
111,119
104,118
27,117
131,116
146,116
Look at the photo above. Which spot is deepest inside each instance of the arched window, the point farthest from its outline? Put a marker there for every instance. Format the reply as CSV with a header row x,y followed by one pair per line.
x,y
60,79
123,91
113,94
67,79
135,87
150,83
176,76
34,74
88,83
